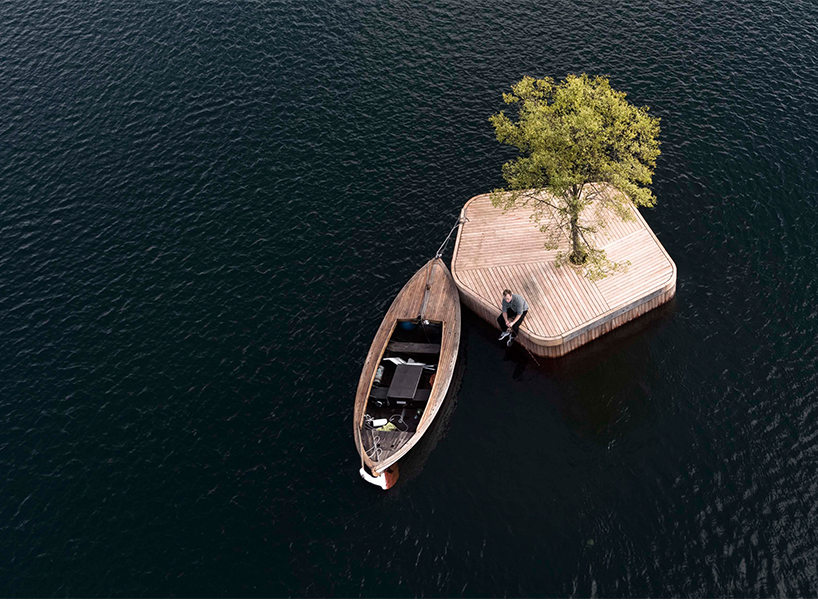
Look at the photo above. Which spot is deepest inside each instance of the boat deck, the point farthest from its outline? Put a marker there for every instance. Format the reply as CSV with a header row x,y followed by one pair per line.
x,y
381,445
497,250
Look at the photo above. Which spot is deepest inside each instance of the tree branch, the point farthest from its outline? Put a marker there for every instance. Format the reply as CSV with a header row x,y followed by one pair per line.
x,y
538,198
582,235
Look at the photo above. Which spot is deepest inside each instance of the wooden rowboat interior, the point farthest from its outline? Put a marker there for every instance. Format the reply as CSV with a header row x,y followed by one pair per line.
x,y
418,346
408,368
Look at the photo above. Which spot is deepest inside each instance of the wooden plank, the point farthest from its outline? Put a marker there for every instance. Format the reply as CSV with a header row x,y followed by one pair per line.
x,y
505,249
533,287
483,275
413,348
558,302
464,279
573,287
568,311
497,284
546,307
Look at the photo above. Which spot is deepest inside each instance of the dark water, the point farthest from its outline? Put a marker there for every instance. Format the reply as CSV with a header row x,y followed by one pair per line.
x,y
208,206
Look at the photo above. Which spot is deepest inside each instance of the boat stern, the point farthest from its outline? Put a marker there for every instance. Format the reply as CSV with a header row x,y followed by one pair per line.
x,y
384,480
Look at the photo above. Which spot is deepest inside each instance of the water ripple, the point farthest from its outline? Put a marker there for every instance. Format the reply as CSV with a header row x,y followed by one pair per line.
x,y
207,207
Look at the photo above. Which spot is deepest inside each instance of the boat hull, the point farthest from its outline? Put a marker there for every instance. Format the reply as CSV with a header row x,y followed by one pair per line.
x,y
430,294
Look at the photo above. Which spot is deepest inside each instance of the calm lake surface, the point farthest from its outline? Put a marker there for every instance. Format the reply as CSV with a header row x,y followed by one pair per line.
x,y
206,209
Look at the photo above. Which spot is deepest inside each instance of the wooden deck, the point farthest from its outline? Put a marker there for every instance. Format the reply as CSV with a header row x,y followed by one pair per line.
x,y
496,250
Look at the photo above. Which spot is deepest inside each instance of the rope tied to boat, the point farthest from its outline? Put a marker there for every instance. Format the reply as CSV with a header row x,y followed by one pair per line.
x,y
448,237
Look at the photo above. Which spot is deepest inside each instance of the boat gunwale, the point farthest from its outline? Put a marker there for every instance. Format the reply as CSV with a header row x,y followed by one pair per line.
x,y
450,346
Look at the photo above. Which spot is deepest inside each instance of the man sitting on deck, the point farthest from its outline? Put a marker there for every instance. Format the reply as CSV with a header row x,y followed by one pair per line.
x,y
514,310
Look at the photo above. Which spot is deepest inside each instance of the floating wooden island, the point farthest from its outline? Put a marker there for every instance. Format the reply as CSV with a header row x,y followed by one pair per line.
x,y
497,250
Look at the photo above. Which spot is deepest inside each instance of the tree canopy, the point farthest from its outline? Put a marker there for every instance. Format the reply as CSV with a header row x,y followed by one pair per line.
x,y
573,137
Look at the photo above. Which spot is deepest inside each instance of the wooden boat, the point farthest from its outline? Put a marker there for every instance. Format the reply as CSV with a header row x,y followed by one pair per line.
x,y
407,372
415,461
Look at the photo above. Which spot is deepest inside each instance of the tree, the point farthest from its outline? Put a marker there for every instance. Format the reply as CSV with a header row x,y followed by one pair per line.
x,y
574,137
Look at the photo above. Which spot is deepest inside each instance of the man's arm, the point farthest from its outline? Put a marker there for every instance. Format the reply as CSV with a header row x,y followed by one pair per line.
x,y
519,304
505,318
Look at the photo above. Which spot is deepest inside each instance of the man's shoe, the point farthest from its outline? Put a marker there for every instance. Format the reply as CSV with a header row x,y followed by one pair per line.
x,y
504,335
510,340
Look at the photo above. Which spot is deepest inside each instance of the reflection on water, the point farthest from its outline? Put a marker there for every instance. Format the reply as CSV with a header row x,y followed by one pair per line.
x,y
209,206
412,465
610,389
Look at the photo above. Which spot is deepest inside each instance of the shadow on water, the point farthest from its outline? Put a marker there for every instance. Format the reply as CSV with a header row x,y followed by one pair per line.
x,y
601,389
412,465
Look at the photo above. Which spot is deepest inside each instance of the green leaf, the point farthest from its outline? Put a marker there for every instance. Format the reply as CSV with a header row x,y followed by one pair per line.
x,y
572,136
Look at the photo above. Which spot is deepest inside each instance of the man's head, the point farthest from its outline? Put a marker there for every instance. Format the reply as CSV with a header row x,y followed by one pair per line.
x,y
507,295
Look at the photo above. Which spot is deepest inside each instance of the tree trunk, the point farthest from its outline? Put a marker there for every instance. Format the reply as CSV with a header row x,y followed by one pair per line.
x,y
578,254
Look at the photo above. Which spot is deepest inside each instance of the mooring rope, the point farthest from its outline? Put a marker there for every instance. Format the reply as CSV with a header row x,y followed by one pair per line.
x,y
375,452
448,237
440,253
